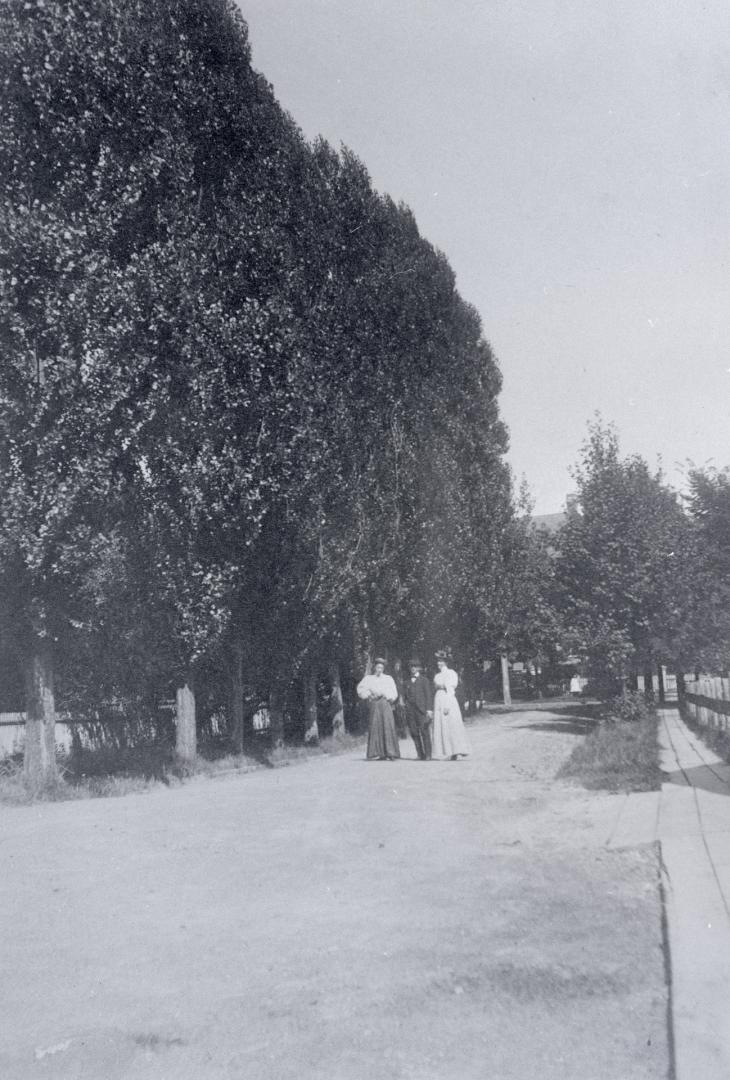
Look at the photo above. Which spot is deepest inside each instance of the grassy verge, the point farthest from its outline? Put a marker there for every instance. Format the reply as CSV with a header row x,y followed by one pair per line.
x,y
101,781
617,755
14,792
340,744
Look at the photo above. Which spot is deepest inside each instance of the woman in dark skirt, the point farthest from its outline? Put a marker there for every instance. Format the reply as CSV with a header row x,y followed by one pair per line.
x,y
380,692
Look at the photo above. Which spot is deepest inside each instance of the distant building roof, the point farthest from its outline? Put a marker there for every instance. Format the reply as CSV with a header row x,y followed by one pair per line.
x,y
550,522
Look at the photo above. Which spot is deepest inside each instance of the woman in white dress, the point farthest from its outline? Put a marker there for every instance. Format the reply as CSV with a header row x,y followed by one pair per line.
x,y
449,736
380,692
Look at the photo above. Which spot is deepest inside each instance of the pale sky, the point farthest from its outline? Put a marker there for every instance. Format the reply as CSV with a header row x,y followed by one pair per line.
x,y
572,159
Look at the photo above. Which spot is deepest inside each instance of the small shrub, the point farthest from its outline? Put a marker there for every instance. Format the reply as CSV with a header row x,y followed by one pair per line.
x,y
12,784
630,707
602,685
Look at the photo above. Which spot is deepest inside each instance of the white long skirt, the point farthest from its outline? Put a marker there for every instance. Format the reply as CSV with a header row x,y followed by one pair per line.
x,y
449,736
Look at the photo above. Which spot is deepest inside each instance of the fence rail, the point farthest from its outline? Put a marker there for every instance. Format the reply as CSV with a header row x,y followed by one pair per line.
x,y
12,733
708,702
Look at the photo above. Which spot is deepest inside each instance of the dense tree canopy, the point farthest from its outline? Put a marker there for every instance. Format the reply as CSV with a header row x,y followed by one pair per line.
x,y
243,408
623,561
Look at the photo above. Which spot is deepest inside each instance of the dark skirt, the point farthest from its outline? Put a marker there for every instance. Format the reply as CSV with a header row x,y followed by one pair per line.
x,y
382,737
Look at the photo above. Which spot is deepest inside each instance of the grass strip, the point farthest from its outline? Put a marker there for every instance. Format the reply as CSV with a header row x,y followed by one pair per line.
x,y
621,755
167,772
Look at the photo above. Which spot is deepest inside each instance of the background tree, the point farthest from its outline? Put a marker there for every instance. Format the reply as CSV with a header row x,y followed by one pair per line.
x,y
620,562
523,621
706,641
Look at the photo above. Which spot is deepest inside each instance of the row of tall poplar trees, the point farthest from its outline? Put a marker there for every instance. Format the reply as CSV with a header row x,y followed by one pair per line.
x,y
248,427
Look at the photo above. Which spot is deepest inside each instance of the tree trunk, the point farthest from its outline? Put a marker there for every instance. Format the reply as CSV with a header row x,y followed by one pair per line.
x,y
466,690
649,682
237,710
276,717
506,693
338,709
399,708
362,645
311,728
660,684
186,740
39,755
681,689
538,682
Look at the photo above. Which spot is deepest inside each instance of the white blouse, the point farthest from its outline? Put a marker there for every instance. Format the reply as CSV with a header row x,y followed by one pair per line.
x,y
447,680
377,686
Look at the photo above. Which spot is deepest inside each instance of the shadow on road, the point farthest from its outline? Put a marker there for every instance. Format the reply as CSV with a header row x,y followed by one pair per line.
x,y
568,719
575,726
590,711
703,777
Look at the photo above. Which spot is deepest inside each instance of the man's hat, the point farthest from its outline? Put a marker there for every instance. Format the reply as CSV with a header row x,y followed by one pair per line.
x,y
414,662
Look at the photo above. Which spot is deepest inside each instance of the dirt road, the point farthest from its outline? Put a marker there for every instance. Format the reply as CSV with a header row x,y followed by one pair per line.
x,y
338,919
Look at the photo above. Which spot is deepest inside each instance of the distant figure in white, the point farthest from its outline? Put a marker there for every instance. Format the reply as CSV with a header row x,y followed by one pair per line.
x,y
449,736
261,719
575,685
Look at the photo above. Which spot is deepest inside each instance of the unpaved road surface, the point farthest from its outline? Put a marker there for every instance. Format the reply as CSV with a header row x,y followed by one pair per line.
x,y
336,920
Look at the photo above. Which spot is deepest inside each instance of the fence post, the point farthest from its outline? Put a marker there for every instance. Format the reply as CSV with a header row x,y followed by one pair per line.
x,y
689,688
276,715
186,736
236,689
39,754
506,692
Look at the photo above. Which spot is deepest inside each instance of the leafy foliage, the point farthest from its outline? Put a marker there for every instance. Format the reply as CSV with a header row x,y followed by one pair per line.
x,y
707,640
241,401
622,561
630,707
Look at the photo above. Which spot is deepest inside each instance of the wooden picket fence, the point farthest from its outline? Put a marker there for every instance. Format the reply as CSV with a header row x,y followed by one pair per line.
x,y
707,701
12,734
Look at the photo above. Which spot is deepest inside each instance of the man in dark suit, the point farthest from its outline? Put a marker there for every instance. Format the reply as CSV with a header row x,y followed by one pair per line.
x,y
418,698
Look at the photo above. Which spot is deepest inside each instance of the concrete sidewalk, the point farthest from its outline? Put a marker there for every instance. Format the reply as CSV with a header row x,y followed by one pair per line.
x,y
693,828
690,819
